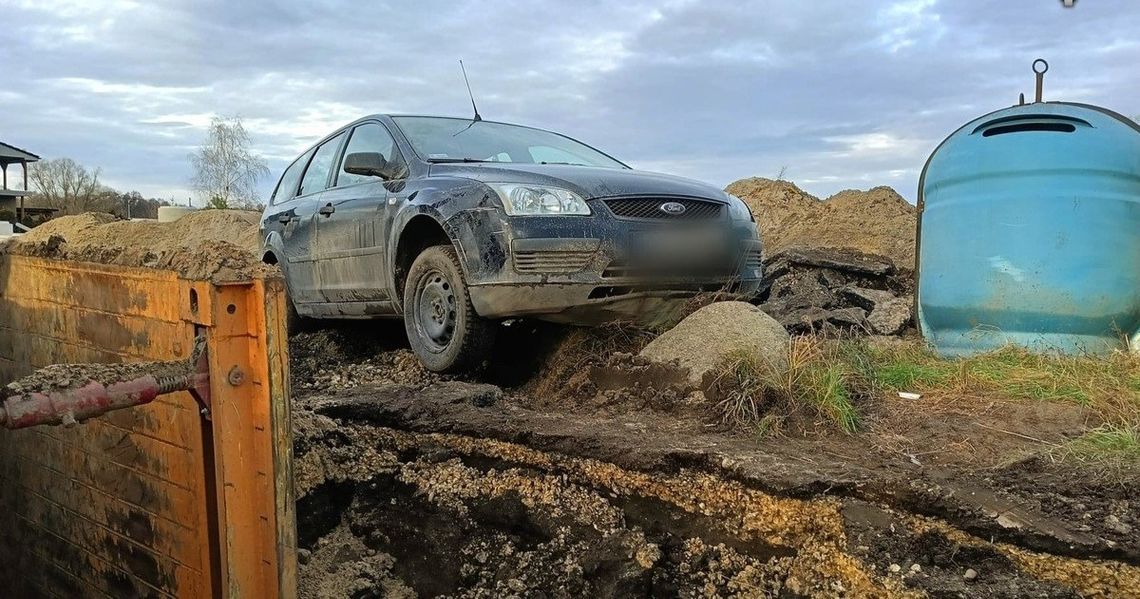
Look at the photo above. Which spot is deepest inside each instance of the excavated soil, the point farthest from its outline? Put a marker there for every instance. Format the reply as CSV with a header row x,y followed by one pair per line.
x,y
876,221
454,491
218,245
613,482
63,377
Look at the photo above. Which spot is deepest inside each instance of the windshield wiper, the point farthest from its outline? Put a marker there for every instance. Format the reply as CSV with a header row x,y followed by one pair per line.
x,y
566,163
443,160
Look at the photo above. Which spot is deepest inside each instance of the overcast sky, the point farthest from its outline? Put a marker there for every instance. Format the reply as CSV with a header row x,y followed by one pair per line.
x,y
842,93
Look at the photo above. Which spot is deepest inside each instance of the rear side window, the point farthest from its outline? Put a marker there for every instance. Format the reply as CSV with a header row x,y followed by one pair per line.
x,y
369,137
287,187
317,175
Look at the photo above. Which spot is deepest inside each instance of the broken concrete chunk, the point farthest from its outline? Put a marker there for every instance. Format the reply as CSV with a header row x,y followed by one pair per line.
x,y
704,338
891,316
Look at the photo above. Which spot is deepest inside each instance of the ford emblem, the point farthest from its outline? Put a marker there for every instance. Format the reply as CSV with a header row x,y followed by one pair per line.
x,y
672,208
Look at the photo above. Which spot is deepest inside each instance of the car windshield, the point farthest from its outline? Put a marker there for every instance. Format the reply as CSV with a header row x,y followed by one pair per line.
x,y
440,139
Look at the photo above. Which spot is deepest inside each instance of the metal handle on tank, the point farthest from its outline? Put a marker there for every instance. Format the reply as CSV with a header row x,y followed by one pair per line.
x,y
1040,75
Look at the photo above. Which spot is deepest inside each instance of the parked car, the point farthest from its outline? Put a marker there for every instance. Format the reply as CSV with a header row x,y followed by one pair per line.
x,y
454,224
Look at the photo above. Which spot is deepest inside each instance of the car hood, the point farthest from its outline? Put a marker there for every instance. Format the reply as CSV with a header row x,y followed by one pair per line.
x,y
587,181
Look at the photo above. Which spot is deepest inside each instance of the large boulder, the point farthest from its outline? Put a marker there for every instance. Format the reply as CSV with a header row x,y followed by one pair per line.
x,y
703,339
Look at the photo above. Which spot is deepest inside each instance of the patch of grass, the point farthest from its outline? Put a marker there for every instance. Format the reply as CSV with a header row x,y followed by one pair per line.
x,y
827,390
899,376
1106,446
1106,384
831,379
754,394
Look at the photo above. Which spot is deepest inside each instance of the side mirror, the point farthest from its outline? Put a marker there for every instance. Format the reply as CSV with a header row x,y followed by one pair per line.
x,y
371,164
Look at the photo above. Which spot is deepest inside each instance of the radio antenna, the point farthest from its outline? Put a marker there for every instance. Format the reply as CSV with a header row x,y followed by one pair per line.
x,y
471,95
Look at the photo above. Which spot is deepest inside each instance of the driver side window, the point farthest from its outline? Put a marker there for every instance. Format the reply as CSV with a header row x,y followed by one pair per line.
x,y
369,137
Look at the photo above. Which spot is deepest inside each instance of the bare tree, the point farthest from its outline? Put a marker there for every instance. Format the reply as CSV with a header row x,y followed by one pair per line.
x,y
65,184
225,171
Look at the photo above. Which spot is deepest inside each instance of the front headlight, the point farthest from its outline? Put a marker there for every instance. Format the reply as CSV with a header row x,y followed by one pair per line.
x,y
539,200
738,209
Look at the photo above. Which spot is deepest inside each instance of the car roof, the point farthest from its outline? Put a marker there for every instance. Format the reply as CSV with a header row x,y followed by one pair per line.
x,y
444,116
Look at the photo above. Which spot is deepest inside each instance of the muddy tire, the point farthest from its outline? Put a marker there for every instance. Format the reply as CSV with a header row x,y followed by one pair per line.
x,y
443,329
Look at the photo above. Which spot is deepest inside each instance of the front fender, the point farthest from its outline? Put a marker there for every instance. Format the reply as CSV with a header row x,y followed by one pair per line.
x,y
469,214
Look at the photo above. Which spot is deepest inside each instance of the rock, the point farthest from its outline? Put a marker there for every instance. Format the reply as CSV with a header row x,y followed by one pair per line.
x,y
915,568
477,394
1114,524
304,556
865,298
704,338
970,574
895,568
890,317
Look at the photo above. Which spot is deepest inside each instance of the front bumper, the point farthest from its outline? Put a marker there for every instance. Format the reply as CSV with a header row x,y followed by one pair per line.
x,y
587,270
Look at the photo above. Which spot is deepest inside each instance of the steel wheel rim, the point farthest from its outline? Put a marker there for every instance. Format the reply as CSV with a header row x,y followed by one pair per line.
x,y
435,314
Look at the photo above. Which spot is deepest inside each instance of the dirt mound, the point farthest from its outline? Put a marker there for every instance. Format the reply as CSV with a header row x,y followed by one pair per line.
x,y
208,244
564,376
776,204
876,221
238,227
66,377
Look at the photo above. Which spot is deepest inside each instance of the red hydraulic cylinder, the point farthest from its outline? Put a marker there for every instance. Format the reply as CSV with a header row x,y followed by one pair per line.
x,y
76,405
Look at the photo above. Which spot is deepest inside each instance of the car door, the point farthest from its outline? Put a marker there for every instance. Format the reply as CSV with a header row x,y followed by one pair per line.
x,y
303,257
353,225
288,216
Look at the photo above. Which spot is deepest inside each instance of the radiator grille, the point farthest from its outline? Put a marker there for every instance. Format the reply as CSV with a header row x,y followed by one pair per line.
x,y
650,208
541,261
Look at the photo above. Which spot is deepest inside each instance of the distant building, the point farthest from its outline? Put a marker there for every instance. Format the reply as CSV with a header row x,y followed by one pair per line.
x,y
11,199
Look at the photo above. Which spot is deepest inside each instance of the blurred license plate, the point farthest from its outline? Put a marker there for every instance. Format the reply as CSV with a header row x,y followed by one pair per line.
x,y
688,245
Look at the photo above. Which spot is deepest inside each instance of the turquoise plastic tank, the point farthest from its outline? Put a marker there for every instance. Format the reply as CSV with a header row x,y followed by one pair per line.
x,y
1029,232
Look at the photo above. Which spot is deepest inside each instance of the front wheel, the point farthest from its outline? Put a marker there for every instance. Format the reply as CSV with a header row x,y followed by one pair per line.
x,y
443,329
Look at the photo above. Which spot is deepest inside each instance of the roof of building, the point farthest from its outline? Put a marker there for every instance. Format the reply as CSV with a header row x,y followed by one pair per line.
x,y
10,154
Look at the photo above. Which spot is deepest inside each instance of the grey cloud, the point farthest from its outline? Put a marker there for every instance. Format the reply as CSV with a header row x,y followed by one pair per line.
x,y
845,94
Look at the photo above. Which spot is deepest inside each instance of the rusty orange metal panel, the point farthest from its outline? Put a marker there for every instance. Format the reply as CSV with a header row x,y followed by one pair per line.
x,y
156,500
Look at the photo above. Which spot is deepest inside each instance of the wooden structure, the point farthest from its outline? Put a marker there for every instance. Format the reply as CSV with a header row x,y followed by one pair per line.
x,y
13,155
153,501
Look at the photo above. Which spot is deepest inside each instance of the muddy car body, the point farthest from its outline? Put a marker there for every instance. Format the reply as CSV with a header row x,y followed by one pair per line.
x,y
533,223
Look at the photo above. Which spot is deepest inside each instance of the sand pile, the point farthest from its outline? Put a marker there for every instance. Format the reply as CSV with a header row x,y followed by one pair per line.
x,y
207,244
238,227
878,221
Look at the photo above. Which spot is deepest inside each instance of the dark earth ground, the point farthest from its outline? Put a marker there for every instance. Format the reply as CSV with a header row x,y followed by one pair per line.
x,y
542,481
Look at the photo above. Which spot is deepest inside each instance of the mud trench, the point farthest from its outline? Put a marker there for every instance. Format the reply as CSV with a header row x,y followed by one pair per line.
x,y
384,512
545,484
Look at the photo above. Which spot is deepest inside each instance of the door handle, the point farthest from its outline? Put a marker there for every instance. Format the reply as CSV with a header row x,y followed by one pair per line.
x,y
285,218
327,209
